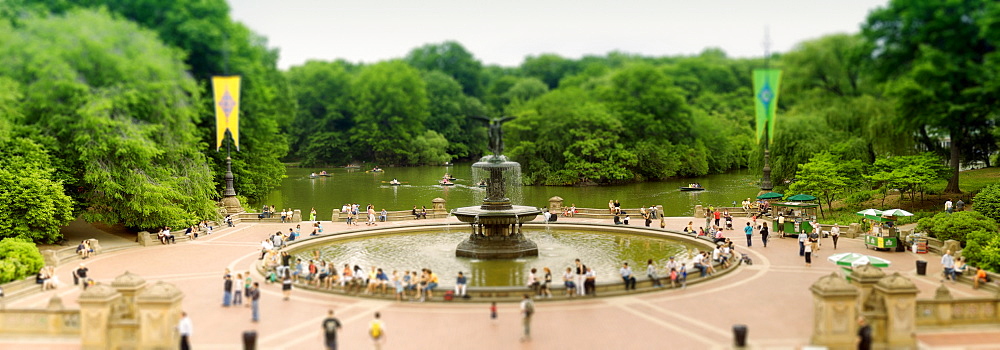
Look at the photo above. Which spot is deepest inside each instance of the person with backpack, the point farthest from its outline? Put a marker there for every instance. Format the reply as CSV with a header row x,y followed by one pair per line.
x,y
376,330
527,310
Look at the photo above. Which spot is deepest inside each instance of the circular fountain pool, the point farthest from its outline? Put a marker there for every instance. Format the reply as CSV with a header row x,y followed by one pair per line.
x,y
433,247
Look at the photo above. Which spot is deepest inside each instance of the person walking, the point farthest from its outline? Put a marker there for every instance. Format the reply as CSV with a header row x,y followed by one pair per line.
x,y
227,290
807,252
764,233
527,311
864,334
330,326
948,262
185,328
749,231
286,285
802,243
254,297
959,205
835,234
376,330
948,206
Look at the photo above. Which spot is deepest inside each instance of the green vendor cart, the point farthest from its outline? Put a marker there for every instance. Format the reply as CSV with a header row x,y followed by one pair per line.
x,y
790,218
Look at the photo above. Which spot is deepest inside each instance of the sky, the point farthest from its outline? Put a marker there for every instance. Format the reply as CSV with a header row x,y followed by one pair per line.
x,y
505,32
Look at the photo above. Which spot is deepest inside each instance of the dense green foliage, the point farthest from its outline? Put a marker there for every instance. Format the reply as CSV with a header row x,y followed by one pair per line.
x,y
987,202
20,259
826,177
982,248
939,60
117,109
956,225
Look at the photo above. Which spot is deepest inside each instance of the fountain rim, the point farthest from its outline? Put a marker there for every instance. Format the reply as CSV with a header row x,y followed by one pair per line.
x,y
296,246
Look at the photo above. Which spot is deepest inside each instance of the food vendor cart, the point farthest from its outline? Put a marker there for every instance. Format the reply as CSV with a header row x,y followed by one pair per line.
x,y
882,232
797,217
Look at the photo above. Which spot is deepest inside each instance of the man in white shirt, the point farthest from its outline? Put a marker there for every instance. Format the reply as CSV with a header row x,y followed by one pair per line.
x,y
185,328
698,265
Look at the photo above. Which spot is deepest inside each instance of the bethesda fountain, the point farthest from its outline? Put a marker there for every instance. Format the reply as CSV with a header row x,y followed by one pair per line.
x,y
496,224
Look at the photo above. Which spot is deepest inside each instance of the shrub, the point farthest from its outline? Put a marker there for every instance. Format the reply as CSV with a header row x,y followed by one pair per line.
x,y
983,249
955,226
987,202
20,259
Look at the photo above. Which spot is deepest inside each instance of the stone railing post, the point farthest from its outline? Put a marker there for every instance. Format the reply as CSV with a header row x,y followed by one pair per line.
x,y
95,313
128,284
835,303
438,205
944,307
159,310
865,277
144,239
699,212
51,258
899,295
95,245
555,204
954,246
335,215
853,230
297,215
55,317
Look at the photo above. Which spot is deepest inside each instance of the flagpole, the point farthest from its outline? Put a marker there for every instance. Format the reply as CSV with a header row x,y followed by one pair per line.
x,y
765,181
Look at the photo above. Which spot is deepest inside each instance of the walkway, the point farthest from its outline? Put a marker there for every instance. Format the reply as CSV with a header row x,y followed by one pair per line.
x,y
771,297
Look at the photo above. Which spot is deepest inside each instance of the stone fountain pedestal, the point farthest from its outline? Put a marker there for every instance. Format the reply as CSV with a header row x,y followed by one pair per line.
x,y
496,224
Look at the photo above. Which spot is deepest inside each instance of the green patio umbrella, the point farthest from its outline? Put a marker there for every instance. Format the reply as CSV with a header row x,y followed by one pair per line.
x,y
896,212
770,195
801,198
870,212
855,260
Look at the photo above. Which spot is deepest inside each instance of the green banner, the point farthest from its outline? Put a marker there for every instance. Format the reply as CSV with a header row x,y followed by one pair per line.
x,y
765,89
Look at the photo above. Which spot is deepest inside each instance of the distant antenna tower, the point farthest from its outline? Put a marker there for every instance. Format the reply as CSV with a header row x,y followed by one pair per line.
x,y
767,47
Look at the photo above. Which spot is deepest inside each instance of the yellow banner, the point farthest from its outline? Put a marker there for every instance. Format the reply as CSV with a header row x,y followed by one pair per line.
x,y
227,109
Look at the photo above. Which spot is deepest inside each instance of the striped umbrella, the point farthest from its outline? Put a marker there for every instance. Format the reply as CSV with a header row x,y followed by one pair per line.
x,y
855,260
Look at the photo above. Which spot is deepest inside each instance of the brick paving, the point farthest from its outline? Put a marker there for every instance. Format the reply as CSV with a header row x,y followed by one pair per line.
x,y
771,297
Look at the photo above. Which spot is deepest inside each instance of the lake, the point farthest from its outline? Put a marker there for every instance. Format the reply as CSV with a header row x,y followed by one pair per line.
x,y
299,191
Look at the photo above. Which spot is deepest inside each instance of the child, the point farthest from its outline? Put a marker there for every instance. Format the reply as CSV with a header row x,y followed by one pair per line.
x,y
493,311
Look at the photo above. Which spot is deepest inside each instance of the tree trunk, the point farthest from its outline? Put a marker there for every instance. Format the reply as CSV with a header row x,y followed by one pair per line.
x,y
953,162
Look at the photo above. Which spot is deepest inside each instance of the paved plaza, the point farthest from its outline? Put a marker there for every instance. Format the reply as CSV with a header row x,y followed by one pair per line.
x,y
771,297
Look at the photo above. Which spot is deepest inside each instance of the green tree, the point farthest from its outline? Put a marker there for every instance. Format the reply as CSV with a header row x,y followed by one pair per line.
x,y
319,134
987,201
391,105
115,107
453,59
935,54
549,68
956,225
826,177
907,173
450,113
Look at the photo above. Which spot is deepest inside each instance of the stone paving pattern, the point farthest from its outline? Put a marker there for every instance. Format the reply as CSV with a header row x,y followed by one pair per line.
x,y
771,297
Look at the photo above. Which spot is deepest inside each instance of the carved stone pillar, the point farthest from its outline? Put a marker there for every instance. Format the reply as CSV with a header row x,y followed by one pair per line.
x,y
438,205
144,239
865,277
128,284
297,215
699,212
854,230
835,305
95,313
555,204
899,296
159,310
943,309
